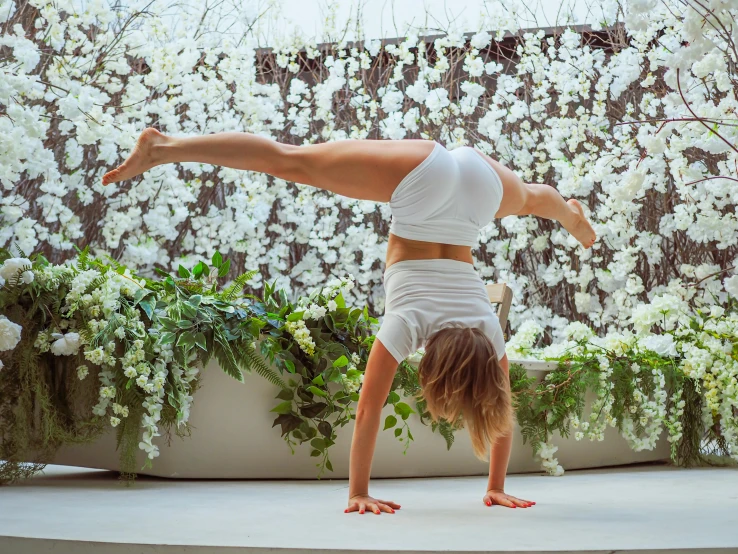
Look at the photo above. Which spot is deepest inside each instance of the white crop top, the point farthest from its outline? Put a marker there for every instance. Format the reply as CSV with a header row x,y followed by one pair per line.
x,y
424,296
447,198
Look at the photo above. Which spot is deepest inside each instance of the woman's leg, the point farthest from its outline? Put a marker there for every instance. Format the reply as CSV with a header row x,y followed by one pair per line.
x,y
364,169
519,198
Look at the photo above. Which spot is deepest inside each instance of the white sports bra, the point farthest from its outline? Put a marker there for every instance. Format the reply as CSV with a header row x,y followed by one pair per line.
x,y
447,198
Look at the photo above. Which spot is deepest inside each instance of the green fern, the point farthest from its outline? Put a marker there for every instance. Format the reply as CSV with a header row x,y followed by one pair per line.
x,y
253,361
83,259
447,432
224,354
236,287
96,283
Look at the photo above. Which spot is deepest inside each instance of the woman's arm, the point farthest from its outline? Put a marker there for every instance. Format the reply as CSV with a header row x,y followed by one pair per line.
x,y
378,377
499,458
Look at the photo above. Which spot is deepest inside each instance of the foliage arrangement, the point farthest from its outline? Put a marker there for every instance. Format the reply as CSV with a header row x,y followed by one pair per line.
x,y
89,345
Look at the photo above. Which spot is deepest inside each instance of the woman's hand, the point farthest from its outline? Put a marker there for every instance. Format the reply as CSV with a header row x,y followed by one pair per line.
x,y
363,502
495,496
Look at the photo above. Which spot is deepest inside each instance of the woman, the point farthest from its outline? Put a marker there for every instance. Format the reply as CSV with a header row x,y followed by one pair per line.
x,y
440,200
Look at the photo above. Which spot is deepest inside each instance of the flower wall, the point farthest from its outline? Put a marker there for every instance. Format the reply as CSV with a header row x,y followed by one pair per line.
x,y
637,121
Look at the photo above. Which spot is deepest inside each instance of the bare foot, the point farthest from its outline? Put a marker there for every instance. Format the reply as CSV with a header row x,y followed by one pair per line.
x,y
141,159
579,227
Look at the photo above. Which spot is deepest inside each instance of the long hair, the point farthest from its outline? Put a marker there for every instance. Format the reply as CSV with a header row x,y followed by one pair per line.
x,y
460,375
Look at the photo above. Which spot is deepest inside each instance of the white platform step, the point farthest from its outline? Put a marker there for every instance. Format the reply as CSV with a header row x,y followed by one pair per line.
x,y
651,508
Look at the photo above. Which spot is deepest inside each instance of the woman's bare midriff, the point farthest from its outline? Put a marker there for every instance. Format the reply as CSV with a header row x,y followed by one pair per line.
x,y
400,249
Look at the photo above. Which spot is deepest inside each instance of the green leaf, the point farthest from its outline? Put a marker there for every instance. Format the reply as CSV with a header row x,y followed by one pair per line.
x,y
283,407
200,341
167,338
355,396
341,362
148,309
185,324
317,391
290,366
403,410
223,270
340,302
315,453
285,394
183,271
398,431
391,421
295,316
318,443
328,465
334,375
186,339
140,295
393,398
188,310
200,269
168,323
319,380
195,300
217,259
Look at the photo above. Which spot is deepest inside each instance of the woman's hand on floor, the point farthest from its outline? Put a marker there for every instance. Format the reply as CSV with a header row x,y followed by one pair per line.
x,y
499,497
365,502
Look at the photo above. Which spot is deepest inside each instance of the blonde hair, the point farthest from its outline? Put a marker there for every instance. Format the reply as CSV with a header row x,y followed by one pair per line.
x,y
460,375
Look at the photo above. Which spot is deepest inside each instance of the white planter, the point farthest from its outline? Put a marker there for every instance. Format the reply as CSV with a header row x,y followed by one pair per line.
x,y
233,438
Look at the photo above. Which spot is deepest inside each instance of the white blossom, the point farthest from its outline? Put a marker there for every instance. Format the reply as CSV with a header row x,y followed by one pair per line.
x,y
10,334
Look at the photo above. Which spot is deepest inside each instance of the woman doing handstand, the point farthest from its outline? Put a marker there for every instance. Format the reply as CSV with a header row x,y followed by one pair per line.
x,y
439,199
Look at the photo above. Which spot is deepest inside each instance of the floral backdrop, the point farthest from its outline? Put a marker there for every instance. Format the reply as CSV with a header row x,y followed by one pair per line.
x,y
635,116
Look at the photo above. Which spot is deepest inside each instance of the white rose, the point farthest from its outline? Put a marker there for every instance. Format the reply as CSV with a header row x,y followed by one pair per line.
x,y
65,345
10,334
12,266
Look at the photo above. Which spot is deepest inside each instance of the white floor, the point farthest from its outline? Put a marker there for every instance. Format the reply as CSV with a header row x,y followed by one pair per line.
x,y
637,509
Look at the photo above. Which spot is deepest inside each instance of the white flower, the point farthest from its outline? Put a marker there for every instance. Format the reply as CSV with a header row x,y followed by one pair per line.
x,y
731,286
332,306
12,266
480,40
437,99
663,345
2,365
82,372
65,345
10,334
114,421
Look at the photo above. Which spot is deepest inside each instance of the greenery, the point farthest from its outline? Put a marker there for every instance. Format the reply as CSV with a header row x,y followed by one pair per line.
x,y
101,346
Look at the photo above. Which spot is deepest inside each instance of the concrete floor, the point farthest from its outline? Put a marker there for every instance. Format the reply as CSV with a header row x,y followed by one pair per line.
x,y
635,509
